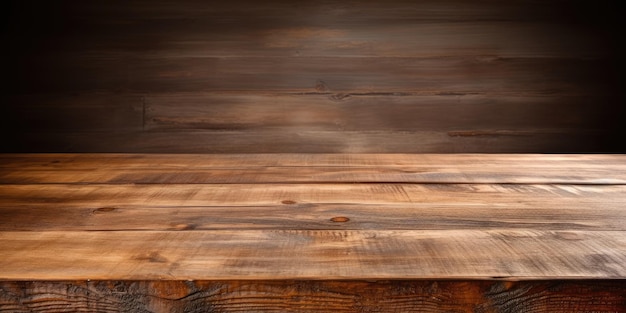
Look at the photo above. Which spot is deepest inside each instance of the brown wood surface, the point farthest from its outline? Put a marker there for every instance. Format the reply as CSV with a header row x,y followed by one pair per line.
x,y
311,141
310,77
314,296
369,206
312,233
312,168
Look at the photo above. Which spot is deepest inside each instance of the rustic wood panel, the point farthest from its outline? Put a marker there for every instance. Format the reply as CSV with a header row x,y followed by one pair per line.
x,y
343,12
162,46
304,123
76,112
178,241
353,112
432,75
79,72
289,214
315,111
499,165
311,168
201,205
176,37
314,141
349,28
312,254
313,296
169,194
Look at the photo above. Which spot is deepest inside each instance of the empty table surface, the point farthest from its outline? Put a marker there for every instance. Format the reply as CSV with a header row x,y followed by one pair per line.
x,y
313,217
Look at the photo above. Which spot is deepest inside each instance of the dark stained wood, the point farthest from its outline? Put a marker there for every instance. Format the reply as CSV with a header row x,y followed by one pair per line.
x,y
369,112
311,141
314,296
285,76
351,28
431,75
77,112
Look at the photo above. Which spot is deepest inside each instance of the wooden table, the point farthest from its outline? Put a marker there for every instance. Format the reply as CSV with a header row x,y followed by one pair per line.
x,y
312,232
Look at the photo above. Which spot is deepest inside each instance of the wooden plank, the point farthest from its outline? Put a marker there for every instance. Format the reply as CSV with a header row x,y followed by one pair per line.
x,y
517,48
254,111
310,206
353,112
549,215
312,168
342,12
310,141
432,75
105,122
333,174
103,195
162,246
314,296
91,112
354,28
211,36
312,254
503,164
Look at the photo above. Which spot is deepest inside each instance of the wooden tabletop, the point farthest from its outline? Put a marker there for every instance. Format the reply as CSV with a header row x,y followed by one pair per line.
x,y
312,216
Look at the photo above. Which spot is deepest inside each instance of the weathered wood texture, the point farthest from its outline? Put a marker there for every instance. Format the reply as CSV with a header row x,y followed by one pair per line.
x,y
314,296
312,168
293,76
312,254
312,233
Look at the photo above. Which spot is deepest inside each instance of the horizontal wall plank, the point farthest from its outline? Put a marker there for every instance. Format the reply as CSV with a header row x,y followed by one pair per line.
x,y
355,112
91,111
337,11
314,296
337,49
433,75
115,112
321,174
502,164
312,254
289,141
238,36
332,28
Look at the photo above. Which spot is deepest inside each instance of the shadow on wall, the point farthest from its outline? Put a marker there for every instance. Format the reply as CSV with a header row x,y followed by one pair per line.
x,y
294,76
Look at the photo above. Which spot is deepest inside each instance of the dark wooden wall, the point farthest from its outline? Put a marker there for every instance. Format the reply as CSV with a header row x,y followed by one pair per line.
x,y
312,76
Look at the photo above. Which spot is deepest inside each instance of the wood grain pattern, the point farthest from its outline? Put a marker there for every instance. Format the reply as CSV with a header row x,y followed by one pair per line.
x,y
76,112
309,232
259,206
354,112
313,254
311,168
503,164
349,28
497,209
432,75
311,141
310,77
314,296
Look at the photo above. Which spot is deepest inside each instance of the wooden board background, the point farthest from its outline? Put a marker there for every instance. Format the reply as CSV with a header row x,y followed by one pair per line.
x,y
285,216
352,76
314,296
312,233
